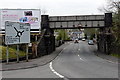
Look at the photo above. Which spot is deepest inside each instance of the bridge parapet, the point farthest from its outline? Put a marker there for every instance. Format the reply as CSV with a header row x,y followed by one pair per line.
x,y
83,21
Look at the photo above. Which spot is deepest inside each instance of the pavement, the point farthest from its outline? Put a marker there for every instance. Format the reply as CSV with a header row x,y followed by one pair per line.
x,y
45,60
33,62
107,57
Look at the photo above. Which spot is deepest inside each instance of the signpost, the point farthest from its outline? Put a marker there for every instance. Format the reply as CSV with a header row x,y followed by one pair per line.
x,y
17,53
27,52
16,33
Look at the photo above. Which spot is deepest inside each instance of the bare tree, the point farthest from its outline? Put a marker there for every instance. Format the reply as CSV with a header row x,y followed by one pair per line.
x,y
44,11
112,6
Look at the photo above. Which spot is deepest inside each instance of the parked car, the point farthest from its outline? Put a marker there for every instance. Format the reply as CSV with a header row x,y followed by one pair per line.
x,y
90,42
83,39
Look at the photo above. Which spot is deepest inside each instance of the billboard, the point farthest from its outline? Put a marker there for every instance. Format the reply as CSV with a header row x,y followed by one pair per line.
x,y
31,16
17,33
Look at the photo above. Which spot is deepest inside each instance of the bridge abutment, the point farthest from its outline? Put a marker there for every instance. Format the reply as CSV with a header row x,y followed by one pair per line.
x,y
46,44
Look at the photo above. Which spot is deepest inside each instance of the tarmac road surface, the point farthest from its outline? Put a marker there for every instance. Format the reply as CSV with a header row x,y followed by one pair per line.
x,y
77,60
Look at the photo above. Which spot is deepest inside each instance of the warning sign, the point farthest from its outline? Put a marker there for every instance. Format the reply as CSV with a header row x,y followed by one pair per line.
x,y
17,33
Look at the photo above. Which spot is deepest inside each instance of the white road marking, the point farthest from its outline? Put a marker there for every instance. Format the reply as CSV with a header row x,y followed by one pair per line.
x,y
112,62
61,76
55,72
80,58
78,49
64,48
71,43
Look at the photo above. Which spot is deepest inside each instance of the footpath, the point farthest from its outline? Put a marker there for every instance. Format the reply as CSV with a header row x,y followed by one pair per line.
x,y
33,62
107,57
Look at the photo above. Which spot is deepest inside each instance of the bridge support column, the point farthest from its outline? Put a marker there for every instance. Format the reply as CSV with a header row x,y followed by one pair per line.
x,y
47,44
104,40
105,37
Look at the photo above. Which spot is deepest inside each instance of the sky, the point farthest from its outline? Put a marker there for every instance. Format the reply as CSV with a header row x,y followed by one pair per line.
x,y
57,7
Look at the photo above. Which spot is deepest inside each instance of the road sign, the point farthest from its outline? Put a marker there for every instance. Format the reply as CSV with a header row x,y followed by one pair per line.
x,y
17,33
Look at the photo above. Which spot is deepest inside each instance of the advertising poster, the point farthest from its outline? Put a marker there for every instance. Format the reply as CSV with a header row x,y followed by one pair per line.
x,y
31,16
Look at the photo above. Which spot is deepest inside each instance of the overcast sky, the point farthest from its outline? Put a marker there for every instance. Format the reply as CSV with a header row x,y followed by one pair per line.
x,y
57,7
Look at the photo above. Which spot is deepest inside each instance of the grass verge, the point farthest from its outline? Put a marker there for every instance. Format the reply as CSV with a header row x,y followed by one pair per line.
x,y
12,53
115,55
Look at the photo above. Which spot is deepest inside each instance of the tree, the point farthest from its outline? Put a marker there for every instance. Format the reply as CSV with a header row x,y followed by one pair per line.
x,y
114,7
116,27
91,32
62,35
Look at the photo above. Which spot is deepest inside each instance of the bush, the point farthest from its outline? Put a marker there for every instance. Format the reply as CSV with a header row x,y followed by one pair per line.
x,y
12,53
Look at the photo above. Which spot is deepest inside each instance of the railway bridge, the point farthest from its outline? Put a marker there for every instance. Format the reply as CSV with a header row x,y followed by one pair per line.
x,y
50,23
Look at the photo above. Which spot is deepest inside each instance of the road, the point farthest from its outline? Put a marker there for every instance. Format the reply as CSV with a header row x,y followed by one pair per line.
x,y
77,60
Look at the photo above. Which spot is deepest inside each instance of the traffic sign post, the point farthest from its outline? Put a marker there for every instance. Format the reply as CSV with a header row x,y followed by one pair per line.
x,y
27,52
16,33
7,54
17,53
